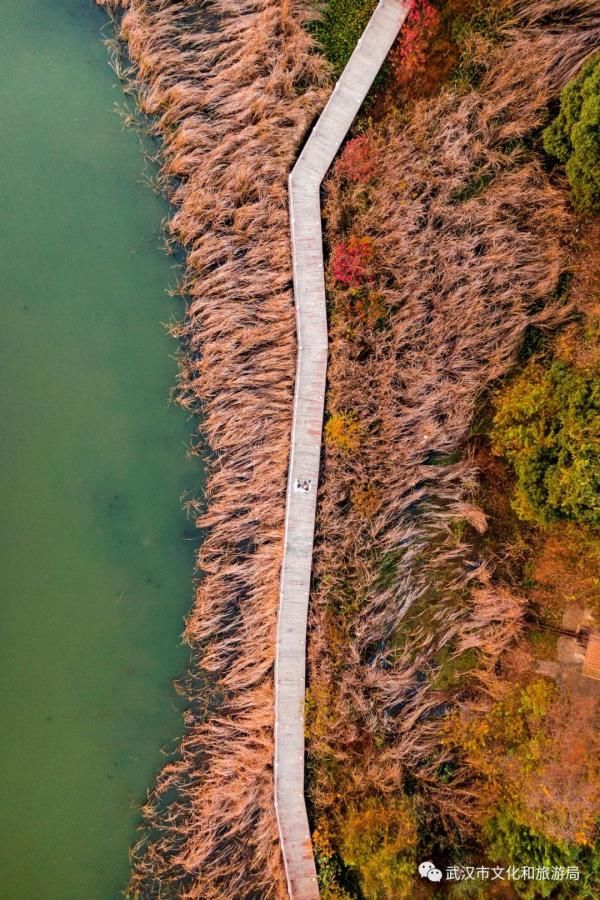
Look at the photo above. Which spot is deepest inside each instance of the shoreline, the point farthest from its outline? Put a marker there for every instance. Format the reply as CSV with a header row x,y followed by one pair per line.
x,y
400,625
226,174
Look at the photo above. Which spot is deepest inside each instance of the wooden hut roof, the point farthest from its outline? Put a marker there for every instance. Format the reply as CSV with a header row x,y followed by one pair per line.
x,y
591,662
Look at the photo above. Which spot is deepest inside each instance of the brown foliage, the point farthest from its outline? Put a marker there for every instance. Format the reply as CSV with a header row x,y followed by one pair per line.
x,y
232,86
536,752
561,796
566,570
579,344
471,239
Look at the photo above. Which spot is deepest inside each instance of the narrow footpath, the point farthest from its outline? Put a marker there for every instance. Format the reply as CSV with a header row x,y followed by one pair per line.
x,y
309,398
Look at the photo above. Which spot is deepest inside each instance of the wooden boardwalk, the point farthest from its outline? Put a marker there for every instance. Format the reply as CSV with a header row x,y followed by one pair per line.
x,y
303,477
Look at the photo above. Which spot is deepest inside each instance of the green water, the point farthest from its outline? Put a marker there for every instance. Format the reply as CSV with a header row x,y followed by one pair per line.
x,y
94,565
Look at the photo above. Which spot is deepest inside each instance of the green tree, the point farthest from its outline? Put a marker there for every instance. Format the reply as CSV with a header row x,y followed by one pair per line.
x,y
574,136
510,843
378,841
547,424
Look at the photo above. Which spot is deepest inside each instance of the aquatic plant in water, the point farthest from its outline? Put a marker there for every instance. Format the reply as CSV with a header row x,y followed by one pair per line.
x,y
231,87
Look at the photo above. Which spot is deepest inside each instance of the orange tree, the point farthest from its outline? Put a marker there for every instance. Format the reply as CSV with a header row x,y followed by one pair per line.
x,y
535,755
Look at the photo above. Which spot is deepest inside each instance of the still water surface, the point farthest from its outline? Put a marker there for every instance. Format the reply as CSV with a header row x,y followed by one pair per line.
x,y
94,566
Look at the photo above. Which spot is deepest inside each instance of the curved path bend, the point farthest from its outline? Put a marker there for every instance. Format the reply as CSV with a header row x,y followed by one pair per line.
x,y
303,476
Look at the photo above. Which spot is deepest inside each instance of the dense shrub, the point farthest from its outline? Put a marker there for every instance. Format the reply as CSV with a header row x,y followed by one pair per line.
x,y
409,56
356,162
359,307
343,431
342,24
536,755
547,424
574,136
350,260
378,841
513,844
566,566
510,843
344,21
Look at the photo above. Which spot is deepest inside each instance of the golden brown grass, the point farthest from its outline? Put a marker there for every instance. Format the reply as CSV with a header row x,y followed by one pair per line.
x,y
231,86
470,235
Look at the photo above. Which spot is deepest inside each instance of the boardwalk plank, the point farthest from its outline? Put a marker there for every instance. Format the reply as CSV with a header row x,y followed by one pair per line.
x,y
311,323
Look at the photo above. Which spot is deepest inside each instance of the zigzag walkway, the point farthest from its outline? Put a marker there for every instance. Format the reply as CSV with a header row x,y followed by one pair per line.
x,y
303,477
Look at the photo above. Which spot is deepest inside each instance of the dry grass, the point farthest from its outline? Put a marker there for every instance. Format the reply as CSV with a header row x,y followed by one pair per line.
x,y
470,237
231,87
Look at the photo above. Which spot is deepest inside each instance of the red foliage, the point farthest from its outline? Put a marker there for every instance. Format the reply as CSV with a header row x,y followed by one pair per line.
x,y
421,25
350,260
356,162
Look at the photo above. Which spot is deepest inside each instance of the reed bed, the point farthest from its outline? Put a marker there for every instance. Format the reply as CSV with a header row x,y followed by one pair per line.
x,y
231,87
464,237
468,233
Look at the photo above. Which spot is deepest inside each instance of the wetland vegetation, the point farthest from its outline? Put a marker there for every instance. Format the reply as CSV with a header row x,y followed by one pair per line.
x,y
462,461
462,286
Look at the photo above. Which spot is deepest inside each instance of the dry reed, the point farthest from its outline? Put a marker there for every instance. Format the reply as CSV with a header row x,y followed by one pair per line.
x,y
231,87
469,236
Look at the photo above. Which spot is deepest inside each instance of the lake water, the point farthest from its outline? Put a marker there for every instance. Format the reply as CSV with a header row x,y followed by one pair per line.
x,y
95,561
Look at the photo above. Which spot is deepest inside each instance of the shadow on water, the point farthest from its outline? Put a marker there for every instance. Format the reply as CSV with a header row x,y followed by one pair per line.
x,y
96,573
